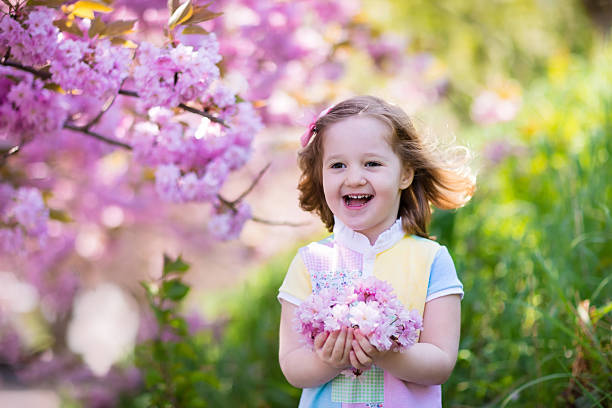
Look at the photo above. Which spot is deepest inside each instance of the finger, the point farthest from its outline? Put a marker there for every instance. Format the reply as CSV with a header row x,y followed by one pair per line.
x,y
363,358
319,340
355,362
365,344
328,347
338,350
348,345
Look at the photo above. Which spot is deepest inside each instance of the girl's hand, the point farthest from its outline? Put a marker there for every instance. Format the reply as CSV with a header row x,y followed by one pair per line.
x,y
334,348
363,354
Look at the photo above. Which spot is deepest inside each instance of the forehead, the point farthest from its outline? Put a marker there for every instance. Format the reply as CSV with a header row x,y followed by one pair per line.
x,y
359,131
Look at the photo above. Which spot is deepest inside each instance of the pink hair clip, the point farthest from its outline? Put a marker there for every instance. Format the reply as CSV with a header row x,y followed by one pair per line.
x,y
311,128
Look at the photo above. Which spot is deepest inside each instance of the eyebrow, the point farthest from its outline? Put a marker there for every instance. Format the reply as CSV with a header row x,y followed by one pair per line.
x,y
368,156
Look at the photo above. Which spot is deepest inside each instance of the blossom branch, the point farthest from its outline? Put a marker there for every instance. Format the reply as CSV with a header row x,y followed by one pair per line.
x,y
202,113
252,186
183,106
278,223
105,108
36,72
85,130
229,204
47,75
232,204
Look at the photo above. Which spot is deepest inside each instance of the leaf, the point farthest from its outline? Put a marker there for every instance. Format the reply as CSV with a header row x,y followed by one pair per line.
x,y
601,312
68,27
194,29
119,27
59,215
174,266
152,377
52,86
85,9
180,15
46,3
175,289
97,27
201,14
151,288
122,42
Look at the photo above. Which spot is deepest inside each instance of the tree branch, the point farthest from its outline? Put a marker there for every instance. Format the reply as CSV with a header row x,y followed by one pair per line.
x,y
232,204
183,106
83,129
278,223
105,108
125,92
255,181
202,113
36,72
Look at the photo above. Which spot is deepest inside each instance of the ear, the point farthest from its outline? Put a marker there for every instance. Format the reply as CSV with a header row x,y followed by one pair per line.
x,y
406,178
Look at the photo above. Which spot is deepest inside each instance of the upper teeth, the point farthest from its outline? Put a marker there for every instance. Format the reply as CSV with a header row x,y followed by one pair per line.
x,y
358,196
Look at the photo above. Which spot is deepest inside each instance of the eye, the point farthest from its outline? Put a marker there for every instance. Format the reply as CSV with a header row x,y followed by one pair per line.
x,y
337,166
372,164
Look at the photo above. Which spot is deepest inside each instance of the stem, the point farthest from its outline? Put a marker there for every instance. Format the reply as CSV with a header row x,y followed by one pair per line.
x,y
187,108
83,129
229,204
202,113
255,181
278,223
105,108
232,204
36,72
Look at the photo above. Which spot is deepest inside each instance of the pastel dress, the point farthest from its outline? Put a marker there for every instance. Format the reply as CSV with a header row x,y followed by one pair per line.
x,y
417,268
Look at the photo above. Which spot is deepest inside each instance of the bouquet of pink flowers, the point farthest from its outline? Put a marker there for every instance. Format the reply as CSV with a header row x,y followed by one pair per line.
x,y
368,304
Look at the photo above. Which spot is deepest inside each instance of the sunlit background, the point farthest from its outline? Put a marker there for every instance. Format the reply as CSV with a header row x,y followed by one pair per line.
x,y
85,318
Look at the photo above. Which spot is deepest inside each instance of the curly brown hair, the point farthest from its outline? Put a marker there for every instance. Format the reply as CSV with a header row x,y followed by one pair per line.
x,y
442,176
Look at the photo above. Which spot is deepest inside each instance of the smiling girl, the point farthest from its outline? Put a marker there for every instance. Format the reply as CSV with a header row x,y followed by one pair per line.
x,y
372,179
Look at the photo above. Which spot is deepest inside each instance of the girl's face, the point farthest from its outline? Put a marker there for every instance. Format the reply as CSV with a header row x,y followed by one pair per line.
x,y
362,177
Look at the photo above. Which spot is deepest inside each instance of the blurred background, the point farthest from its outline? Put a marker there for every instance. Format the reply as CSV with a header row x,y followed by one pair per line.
x,y
525,84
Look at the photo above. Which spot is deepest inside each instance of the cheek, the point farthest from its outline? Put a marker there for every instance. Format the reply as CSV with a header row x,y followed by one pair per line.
x,y
327,188
330,189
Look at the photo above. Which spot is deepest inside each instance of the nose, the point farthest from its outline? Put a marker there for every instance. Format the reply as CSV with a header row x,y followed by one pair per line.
x,y
355,177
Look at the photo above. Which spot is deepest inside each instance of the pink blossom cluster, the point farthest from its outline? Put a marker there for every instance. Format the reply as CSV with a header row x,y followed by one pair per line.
x,y
177,187
27,109
170,75
24,215
368,304
499,103
192,163
32,41
92,67
226,223
260,41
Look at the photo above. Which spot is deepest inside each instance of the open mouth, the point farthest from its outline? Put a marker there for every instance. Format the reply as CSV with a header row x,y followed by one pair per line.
x,y
356,200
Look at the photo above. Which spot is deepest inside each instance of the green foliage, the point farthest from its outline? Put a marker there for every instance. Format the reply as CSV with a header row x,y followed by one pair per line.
x,y
534,250
177,366
481,40
237,368
248,360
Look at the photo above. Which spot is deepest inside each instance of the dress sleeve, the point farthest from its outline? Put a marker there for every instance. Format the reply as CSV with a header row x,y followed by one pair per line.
x,y
297,285
443,278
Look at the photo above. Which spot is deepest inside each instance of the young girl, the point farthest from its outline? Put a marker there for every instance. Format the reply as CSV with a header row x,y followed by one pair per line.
x,y
371,178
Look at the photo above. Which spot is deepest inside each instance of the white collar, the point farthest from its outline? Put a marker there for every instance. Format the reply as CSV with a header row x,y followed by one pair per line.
x,y
360,243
